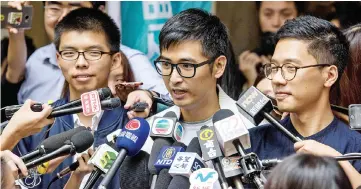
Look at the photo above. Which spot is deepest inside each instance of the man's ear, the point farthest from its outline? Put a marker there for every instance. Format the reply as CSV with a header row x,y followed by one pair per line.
x,y
116,61
331,75
102,8
219,66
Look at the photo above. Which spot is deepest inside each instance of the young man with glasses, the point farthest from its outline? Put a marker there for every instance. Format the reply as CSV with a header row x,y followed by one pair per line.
x,y
308,61
43,60
87,43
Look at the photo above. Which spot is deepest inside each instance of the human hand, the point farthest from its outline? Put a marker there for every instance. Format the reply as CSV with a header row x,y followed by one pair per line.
x,y
84,168
315,148
247,64
138,96
18,5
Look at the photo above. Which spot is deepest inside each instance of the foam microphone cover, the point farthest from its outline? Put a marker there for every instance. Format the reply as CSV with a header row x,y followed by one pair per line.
x,y
179,182
194,147
104,93
157,146
133,136
222,114
170,114
82,141
164,179
134,173
56,141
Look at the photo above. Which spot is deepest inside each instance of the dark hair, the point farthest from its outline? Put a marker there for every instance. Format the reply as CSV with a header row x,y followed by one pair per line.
x,y
300,6
86,19
95,4
326,42
128,75
196,25
304,171
344,95
30,47
232,79
348,13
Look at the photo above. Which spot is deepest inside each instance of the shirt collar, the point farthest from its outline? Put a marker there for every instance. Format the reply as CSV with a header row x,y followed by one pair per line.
x,y
95,120
49,52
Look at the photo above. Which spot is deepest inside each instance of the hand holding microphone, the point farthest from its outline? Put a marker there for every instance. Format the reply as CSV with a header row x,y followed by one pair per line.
x,y
11,165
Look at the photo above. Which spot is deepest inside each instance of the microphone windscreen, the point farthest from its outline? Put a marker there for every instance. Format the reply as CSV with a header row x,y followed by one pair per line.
x,y
170,114
133,136
110,103
82,141
194,147
56,141
134,173
176,143
163,180
104,93
222,114
157,146
179,182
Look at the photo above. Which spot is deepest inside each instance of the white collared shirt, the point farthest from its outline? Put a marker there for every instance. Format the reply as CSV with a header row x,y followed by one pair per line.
x,y
77,123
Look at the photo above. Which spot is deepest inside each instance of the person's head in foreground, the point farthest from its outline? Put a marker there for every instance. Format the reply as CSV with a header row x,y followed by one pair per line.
x,y
309,59
306,171
193,47
87,41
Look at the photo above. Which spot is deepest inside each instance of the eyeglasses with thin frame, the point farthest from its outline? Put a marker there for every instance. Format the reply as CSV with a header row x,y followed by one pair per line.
x,y
288,71
71,55
186,70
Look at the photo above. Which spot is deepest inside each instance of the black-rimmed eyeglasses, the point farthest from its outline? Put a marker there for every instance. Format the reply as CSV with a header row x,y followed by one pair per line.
x,y
288,70
186,70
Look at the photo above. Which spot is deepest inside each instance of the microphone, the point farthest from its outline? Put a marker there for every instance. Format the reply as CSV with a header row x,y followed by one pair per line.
x,y
102,160
103,93
107,104
257,107
229,127
167,127
134,173
231,131
78,143
129,141
184,164
163,134
52,143
211,151
164,162
231,169
203,178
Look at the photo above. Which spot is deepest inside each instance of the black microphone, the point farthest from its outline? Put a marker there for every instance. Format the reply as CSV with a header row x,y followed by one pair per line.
x,y
211,151
103,94
164,162
164,132
52,143
134,173
78,143
180,175
257,107
107,104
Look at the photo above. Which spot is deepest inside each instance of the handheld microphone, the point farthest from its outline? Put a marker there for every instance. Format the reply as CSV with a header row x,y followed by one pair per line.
x,y
78,143
257,106
231,169
229,127
130,141
103,93
167,127
52,143
164,162
249,162
107,104
211,151
102,159
163,133
203,178
184,164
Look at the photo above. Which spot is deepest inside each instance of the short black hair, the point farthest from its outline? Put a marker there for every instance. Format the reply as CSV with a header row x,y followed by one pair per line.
x,y
86,19
196,25
95,4
300,6
303,171
326,42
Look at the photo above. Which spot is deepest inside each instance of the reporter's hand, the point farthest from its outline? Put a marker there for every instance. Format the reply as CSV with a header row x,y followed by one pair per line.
x,y
84,168
315,148
25,122
138,96
10,165
123,91
18,5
